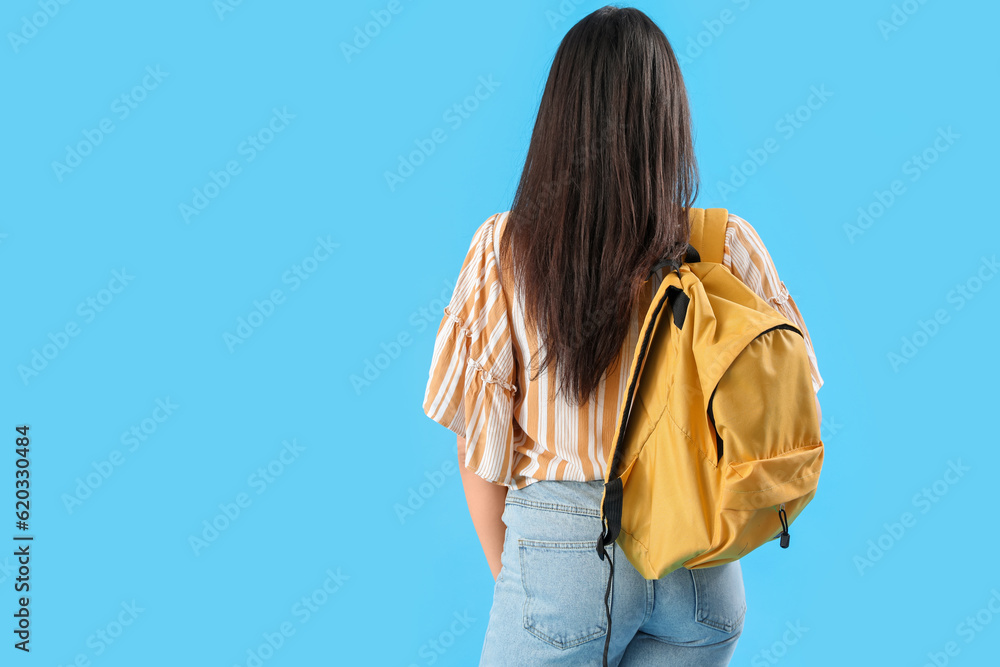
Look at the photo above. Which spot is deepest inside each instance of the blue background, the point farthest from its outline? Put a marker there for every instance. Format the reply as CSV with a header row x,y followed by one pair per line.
x,y
125,537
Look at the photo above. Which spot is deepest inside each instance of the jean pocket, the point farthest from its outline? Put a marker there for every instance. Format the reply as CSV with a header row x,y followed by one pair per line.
x,y
720,599
564,585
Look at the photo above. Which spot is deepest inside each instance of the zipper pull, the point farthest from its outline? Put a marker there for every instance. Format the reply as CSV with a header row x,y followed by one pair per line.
x,y
784,526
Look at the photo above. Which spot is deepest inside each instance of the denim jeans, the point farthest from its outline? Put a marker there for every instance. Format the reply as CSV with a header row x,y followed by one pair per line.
x,y
548,600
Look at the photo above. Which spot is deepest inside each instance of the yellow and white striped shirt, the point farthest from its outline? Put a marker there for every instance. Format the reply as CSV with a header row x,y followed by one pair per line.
x,y
517,430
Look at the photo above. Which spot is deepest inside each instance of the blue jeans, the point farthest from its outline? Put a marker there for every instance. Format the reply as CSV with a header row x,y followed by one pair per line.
x,y
548,600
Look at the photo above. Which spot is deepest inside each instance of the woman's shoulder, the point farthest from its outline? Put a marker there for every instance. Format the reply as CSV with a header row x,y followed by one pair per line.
x,y
744,243
486,236
481,266
485,245
738,228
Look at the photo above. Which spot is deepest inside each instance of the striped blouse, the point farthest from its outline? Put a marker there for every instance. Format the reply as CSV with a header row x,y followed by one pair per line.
x,y
518,431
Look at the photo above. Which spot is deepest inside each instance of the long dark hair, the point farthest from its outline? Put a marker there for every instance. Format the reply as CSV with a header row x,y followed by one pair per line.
x,y
607,182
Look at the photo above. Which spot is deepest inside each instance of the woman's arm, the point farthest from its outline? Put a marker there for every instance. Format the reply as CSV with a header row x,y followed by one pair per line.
x,y
486,502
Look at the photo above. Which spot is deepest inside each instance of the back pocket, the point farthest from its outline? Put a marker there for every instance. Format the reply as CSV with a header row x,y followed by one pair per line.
x,y
564,585
720,599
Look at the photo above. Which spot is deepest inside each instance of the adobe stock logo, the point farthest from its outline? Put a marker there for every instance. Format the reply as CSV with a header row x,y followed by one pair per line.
x,y
363,35
924,500
60,340
455,116
303,610
264,310
105,468
915,167
899,17
713,29
788,125
563,12
416,498
968,630
231,511
122,106
106,635
779,649
960,295
432,650
223,7
249,149
37,21
421,319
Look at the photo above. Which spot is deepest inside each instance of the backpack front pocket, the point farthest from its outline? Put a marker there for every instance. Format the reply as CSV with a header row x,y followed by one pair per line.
x,y
758,501
754,485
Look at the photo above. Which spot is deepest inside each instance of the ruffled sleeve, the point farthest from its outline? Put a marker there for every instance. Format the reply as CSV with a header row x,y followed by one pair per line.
x,y
471,384
749,261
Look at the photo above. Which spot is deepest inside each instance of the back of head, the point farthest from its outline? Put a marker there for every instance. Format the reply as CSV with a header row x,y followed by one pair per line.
x,y
609,175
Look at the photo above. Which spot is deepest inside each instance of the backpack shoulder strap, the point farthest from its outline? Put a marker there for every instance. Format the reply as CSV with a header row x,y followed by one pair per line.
x,y
708,232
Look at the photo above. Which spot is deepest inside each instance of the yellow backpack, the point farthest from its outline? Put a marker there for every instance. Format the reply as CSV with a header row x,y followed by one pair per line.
x,y
718,447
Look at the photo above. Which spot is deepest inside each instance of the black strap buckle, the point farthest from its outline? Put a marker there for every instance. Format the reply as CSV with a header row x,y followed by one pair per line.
x,y
691,256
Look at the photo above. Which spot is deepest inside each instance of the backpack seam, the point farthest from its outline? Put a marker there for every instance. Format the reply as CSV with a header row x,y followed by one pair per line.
x,y
689,438
776,485
812,444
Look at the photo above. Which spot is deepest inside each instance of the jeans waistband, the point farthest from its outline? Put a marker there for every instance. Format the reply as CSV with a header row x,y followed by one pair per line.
x,y
572,497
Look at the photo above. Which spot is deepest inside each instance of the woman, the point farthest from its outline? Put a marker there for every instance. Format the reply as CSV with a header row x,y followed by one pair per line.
x,y
532,356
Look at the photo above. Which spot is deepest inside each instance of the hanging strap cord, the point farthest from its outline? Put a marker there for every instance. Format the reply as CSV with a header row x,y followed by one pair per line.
x,y
611,507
